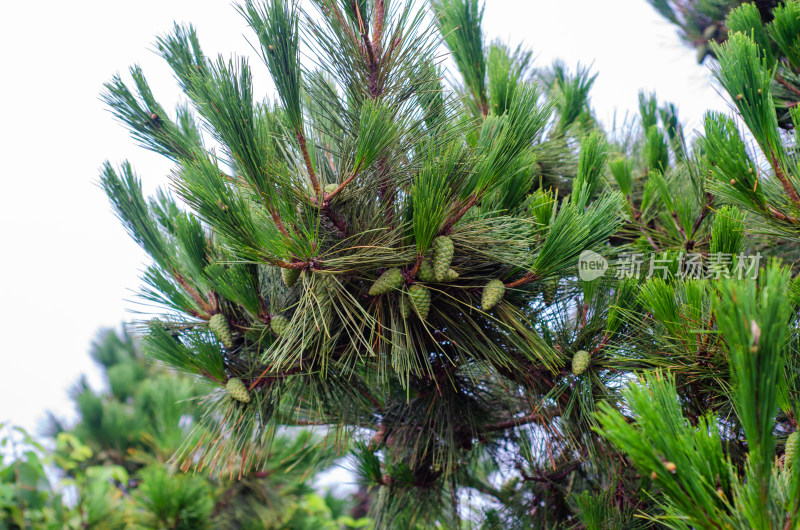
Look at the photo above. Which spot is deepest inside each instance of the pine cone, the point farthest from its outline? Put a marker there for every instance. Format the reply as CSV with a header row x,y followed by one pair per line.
x,y
791,450
442,256
509,487
280,324
219,327
421,298
290,276
580,362
450,276
330,188
426,273
549,293
492,294
389,281
325,284
405,306
237,390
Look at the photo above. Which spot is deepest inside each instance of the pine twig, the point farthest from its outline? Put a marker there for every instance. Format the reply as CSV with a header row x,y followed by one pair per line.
x,y
787,186
700,219
192,292
294,264
341,186
312,175
372,57
448,226
528,278
380,16
777,214
415,269
786,84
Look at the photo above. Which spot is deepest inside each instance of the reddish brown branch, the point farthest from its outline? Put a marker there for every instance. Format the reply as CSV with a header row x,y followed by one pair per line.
x,y
293,264
192,292
340,19
787,186
415,269
786,84
650,239
312,175
678,225
700,219
377,31
484,105
528,278
774,212
368,47
341,186
276,218
461,212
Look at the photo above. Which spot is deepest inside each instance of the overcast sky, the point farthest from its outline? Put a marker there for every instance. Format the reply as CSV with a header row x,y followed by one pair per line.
x,y
67,266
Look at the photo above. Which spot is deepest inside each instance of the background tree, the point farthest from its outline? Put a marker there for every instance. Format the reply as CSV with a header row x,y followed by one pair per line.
x,y
115,462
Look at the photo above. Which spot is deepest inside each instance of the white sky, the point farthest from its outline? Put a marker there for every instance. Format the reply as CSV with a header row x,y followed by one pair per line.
x,y
66,265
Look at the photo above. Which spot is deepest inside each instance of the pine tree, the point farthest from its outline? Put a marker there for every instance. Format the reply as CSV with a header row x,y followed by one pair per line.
x,y
508,379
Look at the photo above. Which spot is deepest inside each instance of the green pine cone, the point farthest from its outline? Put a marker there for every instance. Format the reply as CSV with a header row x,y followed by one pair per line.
x,y
549,293
791,450
280,324
405,306
325,284
330,188
421,298
509,487
389,281
219,327
426,273
237,390
492,294
450,276
290,276
442,256
580,362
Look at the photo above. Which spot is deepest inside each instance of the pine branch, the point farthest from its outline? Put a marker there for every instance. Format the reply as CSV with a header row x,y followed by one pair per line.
x,y
379,16
790,190
459,214
538,416
312,175
528,278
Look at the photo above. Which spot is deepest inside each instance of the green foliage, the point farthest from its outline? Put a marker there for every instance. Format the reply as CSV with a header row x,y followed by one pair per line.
x,y
506,70
397,261
591,167
688,464
276,25
572,94
727,233
460,21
